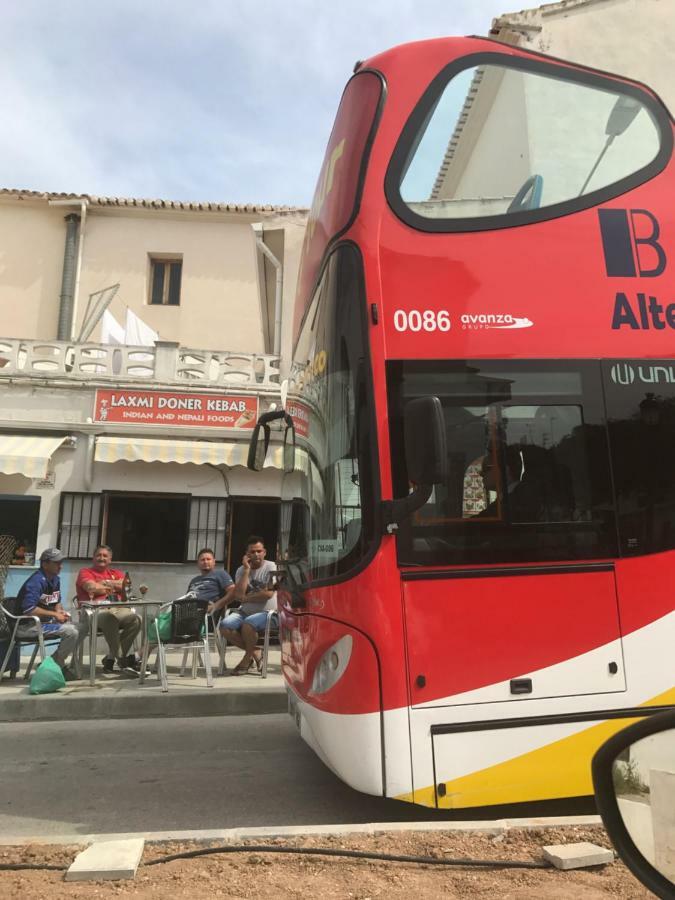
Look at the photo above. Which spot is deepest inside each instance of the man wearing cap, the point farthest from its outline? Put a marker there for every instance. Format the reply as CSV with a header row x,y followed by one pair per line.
x,y
40,595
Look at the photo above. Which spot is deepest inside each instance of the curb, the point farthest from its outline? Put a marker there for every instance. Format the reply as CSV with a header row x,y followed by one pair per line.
x,y
63,708
234,835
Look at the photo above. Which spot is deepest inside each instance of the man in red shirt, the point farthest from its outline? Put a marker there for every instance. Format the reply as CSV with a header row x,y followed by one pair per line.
x,y
101,584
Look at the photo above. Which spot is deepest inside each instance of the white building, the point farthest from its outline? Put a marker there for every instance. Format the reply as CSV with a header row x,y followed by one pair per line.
x,y
142,447
634,38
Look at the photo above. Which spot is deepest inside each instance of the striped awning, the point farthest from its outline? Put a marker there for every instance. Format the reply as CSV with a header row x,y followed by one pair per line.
x,y
27,454
133,449
227,453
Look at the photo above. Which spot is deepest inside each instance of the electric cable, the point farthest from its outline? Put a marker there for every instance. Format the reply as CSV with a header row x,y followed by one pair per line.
x,y
33,867
308,851
353,854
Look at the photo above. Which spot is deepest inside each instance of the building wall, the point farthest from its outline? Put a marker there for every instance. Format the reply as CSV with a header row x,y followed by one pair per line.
x,y
634,38
219,307
32,237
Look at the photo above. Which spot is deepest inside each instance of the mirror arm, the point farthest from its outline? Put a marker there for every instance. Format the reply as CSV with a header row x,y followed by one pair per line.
x,y
394,512
287,583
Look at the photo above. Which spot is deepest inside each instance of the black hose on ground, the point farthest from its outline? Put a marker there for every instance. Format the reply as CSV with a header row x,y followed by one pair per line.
x,y
33,867
352,854
306,851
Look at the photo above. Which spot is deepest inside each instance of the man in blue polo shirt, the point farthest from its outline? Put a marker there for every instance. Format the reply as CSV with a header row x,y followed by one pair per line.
x,y
211,584
40,595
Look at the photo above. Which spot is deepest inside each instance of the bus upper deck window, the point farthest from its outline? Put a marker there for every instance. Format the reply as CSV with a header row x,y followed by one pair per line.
x,y
495,145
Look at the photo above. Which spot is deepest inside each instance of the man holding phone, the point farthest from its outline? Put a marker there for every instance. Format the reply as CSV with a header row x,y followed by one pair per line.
x,y
253,590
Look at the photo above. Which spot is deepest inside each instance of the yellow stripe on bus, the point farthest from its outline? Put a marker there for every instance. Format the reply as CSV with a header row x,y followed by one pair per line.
x,y
560,769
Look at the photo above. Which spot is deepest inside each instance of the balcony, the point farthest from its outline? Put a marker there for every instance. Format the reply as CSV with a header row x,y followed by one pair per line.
x,y
166,363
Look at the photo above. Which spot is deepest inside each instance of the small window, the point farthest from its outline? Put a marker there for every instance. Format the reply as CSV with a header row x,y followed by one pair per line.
x,y
165,279
19,518
147,527
79,524
207,526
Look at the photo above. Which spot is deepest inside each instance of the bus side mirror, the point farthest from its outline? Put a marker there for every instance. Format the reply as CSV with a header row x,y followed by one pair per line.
x,y
426,457
260,441
257,448
634,783
289,446
426,452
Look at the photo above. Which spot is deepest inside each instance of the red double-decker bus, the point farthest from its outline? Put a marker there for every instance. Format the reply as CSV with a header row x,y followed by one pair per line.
x,y
478,522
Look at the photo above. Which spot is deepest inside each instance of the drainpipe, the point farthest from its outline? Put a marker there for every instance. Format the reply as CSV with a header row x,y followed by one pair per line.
x,y
89,461
72,267
278,288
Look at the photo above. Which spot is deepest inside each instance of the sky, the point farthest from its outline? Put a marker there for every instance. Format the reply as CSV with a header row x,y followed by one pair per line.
x,y
211,100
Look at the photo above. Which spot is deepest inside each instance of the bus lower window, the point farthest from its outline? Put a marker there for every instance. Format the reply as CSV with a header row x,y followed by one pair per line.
x,y
641,420
527,469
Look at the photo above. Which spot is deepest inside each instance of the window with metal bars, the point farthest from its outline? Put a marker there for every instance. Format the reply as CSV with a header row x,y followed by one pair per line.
x,y
79,524
207,526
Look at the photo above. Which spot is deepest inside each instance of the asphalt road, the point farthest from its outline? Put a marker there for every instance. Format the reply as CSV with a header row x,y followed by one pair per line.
x,y
181,774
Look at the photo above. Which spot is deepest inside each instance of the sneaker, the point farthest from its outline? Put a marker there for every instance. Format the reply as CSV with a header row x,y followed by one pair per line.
x,y
124,664
135,664
108,666
69,675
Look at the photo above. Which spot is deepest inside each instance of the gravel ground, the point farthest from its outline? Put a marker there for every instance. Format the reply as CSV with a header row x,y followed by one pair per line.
x,y
253,874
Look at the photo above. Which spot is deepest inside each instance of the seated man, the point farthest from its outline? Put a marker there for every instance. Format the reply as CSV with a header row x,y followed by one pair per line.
x,y
518,497
241,626
40,595
101,584
214,585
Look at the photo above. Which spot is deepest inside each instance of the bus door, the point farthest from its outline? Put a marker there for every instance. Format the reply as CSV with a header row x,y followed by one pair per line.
x,y
508,579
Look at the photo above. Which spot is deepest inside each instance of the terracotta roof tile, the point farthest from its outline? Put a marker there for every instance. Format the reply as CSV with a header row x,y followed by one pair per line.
x,y
203,206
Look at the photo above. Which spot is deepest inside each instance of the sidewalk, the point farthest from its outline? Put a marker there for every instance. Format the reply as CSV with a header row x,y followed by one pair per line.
x,y
122,697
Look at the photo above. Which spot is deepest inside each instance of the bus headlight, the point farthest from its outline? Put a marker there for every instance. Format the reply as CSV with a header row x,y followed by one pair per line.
x,y
332,665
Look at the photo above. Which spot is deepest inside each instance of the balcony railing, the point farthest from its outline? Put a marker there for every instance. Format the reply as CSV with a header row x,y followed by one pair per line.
x,y
165,363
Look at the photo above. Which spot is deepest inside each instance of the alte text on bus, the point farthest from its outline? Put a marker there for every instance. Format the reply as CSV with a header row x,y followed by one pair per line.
x,y
646,312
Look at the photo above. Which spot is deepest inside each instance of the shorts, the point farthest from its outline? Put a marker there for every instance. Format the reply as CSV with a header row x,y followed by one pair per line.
x,y
234,620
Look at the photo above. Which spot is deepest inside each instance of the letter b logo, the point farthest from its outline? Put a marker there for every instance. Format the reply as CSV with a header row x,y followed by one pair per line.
x,y
630,241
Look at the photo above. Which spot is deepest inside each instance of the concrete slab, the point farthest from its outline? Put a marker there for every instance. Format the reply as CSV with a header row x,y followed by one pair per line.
x,y
107,861
122,697
577,856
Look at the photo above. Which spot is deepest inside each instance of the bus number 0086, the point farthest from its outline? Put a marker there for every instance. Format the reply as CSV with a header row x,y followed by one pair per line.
x,y
421,320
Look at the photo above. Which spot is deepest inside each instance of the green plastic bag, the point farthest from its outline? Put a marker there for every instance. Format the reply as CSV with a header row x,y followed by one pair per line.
x,y
163,621
48,678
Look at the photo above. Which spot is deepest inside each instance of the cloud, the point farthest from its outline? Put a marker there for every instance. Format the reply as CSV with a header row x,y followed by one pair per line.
x,y
191,101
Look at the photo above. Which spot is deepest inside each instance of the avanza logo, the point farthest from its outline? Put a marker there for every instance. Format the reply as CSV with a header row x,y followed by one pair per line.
x,y
477,321
624,373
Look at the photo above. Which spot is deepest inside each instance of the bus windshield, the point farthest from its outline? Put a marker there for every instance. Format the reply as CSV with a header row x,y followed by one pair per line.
x,y
327,501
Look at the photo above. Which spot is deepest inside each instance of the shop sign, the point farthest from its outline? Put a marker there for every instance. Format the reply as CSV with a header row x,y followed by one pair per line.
x,y
300,415
176,408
